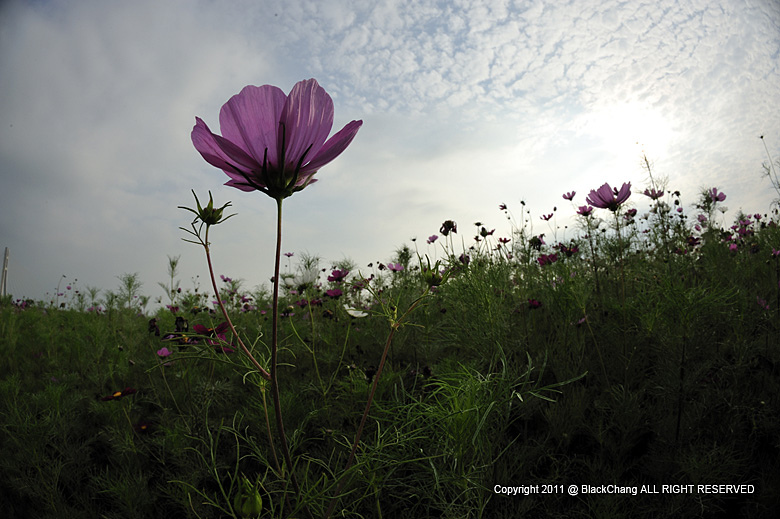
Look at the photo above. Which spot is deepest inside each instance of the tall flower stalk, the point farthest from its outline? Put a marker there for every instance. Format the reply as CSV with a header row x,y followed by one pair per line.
x,y
274,143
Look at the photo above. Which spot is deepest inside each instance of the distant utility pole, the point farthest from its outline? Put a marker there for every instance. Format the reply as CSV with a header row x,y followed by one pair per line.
x,y
4,278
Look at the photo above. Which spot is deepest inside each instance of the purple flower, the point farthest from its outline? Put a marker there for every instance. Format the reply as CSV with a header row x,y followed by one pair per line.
x,y
546,217
289,254
164,352
715,196
606,197
585,210
569,196
653,194
338,276
547,259
217,332
395,267
272,142
502,207
334,293
533,304
432,239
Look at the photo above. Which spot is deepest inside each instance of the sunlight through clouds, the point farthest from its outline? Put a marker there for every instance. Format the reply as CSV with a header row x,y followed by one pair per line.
x,y
466,104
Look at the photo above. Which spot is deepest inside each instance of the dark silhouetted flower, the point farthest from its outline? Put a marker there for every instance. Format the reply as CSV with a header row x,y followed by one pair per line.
x,y
153,328
606,197
569,251
569,196
533,304
653,194
272,142
447,227
546,217
536,242
485,233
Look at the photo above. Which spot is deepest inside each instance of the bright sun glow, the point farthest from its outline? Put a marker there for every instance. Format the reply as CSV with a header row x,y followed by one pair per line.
x,y
627,130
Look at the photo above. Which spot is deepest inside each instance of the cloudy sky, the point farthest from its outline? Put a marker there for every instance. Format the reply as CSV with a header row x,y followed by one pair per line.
x,y
466,104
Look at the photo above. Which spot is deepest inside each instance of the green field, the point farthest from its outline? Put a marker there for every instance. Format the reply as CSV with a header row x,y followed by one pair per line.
x,y
636,351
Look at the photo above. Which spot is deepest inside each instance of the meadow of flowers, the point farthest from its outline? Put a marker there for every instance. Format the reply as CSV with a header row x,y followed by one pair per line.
x,y
595,345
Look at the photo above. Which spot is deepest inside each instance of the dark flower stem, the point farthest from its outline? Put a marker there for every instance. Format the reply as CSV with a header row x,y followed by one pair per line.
x,y
274,355
394,325
260,369
680,392
251,357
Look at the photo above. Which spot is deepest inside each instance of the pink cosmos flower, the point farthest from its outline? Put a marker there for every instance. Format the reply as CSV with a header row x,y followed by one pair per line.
x,y
715,196
585,210
432,239
272,142
569,196
395,267
606,197
653,194
337,276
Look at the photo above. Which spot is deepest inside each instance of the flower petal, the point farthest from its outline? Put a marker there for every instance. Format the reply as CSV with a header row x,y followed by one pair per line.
x,y
307,117
220,152
250,119
335,146
625,192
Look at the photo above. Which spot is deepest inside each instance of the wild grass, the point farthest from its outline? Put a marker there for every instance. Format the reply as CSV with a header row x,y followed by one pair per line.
x,y
645,353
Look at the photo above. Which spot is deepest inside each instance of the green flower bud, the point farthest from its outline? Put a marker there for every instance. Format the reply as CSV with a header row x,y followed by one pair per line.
x,y
248,502
208,215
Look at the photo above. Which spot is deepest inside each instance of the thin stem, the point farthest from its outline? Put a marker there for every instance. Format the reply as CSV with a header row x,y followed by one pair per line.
x,y
393,327
251,357
262,371
274,354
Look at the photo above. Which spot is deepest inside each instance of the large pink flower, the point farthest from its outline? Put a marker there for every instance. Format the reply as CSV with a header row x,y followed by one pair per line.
x,y
272,142
608,198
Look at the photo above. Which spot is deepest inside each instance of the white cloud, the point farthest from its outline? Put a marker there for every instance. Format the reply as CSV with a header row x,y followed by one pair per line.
x,y
466,104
